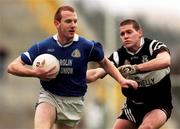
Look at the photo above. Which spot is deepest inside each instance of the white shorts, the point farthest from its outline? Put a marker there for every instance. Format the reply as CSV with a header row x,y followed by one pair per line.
x,y
69,109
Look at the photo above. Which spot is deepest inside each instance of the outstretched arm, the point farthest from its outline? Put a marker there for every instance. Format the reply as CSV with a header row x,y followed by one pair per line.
x,y
113,71
94,74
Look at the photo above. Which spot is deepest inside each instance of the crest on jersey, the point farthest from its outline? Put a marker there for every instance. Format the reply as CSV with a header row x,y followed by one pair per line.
x,y
144,58
76,53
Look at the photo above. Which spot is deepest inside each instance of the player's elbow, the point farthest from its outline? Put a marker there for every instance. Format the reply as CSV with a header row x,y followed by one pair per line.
x,y
91,77
10,68
167,62
93,74
166,59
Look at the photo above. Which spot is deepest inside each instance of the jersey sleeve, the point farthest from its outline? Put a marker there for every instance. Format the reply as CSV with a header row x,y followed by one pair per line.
x,y
114,57
29,56
117,57
158,47
97,53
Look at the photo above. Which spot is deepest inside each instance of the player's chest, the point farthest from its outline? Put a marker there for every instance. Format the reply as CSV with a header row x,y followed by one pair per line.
x,y
141,57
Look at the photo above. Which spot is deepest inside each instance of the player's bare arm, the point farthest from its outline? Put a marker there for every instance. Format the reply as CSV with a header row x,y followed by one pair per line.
x,y
18,68
113,71
161,61
94,74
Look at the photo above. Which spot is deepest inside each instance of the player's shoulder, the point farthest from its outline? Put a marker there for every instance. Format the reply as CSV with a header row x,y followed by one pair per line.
x,y
155,45
44,44
46,41
89,43
85,40
152,42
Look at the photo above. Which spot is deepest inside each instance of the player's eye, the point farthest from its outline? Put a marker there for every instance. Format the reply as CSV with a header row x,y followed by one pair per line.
x,y
122,34
68,21
129,32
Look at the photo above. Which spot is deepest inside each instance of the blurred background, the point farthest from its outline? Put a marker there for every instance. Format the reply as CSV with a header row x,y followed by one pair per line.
x,y
25,22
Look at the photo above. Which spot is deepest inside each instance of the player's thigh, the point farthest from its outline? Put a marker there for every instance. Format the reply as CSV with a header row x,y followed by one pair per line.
x,y
45,116
154,119
123,124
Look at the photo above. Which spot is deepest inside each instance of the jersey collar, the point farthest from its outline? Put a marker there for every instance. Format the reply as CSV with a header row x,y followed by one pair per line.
x,y
76,38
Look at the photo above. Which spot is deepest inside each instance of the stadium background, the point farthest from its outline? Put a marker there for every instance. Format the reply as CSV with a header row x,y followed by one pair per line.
x,y
23,22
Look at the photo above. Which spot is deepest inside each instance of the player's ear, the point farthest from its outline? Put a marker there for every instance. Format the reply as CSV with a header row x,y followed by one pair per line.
x,y
141,32
56,23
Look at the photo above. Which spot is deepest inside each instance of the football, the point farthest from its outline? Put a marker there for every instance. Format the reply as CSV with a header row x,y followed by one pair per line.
x,y
49,62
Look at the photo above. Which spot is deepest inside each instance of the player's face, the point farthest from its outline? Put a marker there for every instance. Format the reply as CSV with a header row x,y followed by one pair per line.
x,y
67,26
130,37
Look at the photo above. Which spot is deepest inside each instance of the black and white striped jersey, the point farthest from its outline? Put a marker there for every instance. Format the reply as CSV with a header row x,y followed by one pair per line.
x,y
153,85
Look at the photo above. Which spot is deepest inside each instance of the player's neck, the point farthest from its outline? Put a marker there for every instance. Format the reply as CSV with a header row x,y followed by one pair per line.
x,y
135,48
64,41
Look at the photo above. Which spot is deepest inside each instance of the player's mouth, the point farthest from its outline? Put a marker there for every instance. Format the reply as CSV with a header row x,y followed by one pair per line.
x,y
127,41
72,31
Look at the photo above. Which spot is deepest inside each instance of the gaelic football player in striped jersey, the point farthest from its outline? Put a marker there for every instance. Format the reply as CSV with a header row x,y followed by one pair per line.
x,y
148,62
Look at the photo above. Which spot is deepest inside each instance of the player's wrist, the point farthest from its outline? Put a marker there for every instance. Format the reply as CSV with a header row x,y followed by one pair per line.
x,y
34,73
136,68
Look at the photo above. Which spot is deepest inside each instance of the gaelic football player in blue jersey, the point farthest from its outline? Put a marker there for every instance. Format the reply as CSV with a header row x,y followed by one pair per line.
x,y
61,101
148,62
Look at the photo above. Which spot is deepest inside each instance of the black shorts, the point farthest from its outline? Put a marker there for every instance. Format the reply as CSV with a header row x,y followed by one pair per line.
x,y
135,112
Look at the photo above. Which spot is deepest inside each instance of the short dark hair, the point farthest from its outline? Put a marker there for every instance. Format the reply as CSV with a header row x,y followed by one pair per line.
x,y
58,15
135,24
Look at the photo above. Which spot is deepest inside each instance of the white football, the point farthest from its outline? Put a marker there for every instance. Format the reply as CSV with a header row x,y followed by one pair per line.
x,y
50,62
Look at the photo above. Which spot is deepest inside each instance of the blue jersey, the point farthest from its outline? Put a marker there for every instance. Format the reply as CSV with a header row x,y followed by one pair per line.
x,y
73,59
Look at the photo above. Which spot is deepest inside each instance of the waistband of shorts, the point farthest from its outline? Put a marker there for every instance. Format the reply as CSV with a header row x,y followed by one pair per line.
x,y
63,97
70,97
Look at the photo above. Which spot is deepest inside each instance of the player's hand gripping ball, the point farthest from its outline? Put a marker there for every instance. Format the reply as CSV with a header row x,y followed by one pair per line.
x,y
49,62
